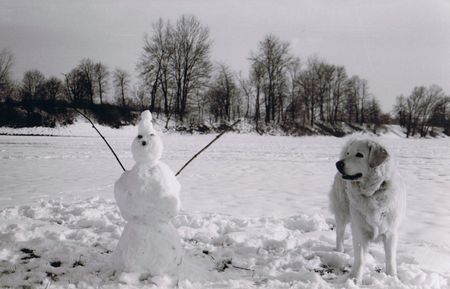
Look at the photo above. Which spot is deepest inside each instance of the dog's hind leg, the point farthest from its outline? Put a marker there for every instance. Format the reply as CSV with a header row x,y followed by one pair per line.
x,y
390,251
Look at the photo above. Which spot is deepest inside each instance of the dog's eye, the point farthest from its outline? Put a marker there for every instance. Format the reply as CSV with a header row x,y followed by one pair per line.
x,y
139,136
359,155
152,134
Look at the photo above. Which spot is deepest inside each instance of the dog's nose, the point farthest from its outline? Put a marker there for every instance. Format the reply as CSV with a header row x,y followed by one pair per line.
x,y
340,166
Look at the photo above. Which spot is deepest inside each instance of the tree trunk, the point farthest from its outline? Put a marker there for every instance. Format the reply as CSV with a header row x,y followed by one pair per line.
x,y
123,96
154,90
257,113
100,92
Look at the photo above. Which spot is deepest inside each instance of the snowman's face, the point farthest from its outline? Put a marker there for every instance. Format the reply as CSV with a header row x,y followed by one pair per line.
x,y
147,148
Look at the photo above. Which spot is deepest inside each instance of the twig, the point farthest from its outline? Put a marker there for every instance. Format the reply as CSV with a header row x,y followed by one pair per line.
x,y
114,153
227,263
210,143
242,268
182,168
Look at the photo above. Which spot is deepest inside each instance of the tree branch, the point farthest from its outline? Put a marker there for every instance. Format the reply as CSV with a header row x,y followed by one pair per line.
x,y
210,143
114,153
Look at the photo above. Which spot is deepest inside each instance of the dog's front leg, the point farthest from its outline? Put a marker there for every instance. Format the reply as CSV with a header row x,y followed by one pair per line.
x,y
340,232
360,244
390,251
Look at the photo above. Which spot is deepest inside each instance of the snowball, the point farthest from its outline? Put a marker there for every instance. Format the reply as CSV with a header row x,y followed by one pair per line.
x,y
145,125
148,194
154,250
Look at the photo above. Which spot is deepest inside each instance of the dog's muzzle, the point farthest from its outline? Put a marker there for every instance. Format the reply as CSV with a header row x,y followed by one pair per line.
x,y
340,167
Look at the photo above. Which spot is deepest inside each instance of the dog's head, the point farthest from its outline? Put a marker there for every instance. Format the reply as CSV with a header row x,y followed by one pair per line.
x,y
359,158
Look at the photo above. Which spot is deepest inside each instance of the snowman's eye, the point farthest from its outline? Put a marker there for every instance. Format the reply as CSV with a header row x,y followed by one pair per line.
x,y
139,136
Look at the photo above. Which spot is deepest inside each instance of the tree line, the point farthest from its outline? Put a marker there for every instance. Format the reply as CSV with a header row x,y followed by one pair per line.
x,y
280,88
424,108
178,81
38,100
88,83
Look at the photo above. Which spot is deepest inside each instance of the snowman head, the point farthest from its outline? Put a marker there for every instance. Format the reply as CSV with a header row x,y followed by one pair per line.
x,y
147,146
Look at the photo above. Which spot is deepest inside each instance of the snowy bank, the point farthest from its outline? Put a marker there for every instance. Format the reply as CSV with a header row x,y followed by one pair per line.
x,y
83,128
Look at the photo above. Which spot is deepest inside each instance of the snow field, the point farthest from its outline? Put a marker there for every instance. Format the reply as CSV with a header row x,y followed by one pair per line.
x,y
57,245
254,213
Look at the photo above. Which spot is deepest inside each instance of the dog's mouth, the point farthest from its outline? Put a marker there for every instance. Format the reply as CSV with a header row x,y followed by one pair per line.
x,y
351,177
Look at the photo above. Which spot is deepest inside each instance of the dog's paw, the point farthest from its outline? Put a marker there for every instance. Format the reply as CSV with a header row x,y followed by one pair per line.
x,y
339,248
354,277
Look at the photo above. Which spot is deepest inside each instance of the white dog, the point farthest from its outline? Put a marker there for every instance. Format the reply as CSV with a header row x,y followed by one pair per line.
x,y
368,193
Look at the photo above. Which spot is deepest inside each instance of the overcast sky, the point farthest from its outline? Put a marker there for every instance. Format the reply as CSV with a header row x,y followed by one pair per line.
x,y
395,45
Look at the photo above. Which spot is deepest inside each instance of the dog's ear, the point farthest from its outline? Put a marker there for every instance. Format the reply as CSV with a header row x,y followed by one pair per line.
x,y
377,154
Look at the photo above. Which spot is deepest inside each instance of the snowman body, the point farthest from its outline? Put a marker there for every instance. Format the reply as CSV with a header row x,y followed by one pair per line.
x,y
148,198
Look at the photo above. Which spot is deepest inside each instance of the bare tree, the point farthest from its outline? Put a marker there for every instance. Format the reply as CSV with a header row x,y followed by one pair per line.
x,y
324,74
316,90
295,106
257,79
78,86
363,99
31,84
309,90
326,92
87,68
434,96
338,93
223,93
352,101
101,75
139,93
6,63
418,110
400,110
441,114
190,60
153,64
53,90
247,89
166,80
274,57
175,63
413,105
121,82
374,113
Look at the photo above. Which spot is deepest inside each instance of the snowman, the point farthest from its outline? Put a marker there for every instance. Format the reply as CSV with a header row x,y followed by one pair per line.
x,y
148,198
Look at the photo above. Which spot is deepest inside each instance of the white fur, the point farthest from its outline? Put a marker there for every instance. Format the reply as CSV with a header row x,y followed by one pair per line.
x,y
373,204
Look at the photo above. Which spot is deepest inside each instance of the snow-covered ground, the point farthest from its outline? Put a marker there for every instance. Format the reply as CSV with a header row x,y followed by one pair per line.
x,y
254,211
